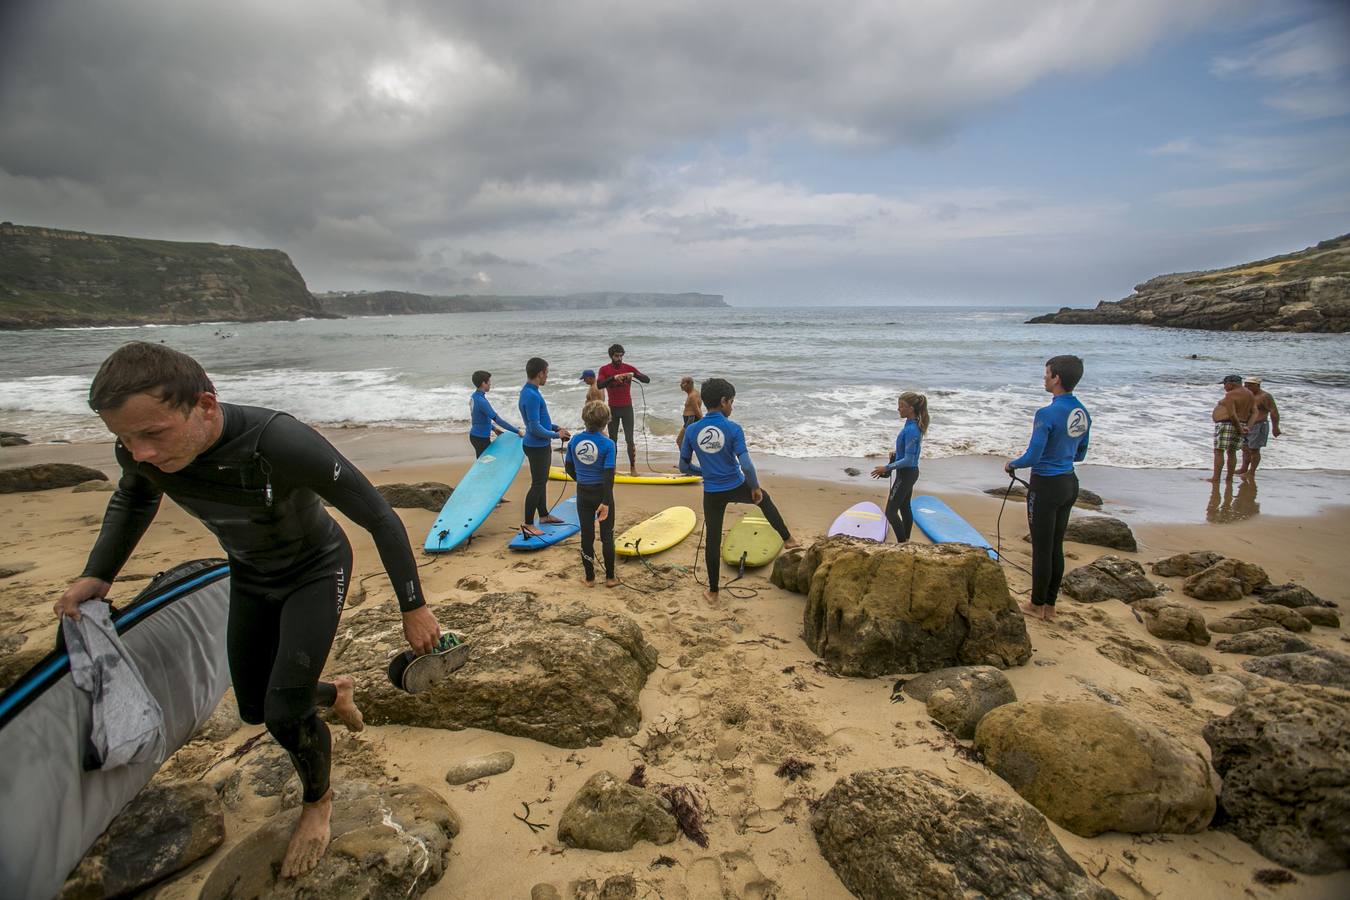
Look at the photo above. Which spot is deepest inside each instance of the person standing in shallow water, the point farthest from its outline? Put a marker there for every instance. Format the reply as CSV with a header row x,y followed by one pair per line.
x,y
904,464
616,377
257,479
1230,417
1059,438
1263,424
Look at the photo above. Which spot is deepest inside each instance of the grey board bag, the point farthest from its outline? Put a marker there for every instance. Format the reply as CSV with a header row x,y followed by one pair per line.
x,y
52,809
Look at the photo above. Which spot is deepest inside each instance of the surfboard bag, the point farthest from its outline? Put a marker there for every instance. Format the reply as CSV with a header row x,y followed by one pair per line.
x,y
51,809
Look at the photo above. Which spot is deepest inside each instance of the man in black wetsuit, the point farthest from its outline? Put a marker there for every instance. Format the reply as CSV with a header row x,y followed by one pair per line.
x,y
256,478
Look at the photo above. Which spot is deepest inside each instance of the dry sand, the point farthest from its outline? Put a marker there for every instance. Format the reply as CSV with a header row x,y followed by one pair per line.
x,y
737,692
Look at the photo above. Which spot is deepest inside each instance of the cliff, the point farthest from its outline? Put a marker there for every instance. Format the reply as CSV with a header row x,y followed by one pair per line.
x,y
382,303
1307,291
52,278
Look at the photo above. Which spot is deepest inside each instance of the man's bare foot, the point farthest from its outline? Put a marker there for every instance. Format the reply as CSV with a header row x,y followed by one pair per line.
x,y
1048,613
1032,610
310,838
344,707
710,596
551,520
611,582
792,544
633,472
590,583
531,530
1212,480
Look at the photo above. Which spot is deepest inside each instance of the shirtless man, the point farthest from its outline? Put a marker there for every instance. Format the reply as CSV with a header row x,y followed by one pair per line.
x,y
693,407
1263,424
1230,417
593,391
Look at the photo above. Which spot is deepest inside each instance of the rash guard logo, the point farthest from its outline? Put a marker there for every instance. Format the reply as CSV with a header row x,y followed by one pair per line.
x,y
587,452
337,470
711,439
1078,423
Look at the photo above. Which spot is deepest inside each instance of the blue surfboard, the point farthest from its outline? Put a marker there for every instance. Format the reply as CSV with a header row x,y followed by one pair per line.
x,y
477,494
552,534
943,526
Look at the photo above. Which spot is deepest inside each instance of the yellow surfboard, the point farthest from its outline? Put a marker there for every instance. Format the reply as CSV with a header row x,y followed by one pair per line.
x,y
661,532
556,473
753,539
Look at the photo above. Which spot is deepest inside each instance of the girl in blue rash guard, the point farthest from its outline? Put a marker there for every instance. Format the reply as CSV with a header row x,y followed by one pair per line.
x,y
590,461
913,408
482,417
1059,438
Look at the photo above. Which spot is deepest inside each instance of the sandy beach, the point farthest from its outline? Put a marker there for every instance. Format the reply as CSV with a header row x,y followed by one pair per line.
x,y
736,690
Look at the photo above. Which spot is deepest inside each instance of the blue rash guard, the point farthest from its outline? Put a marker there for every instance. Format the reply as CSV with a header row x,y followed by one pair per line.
x,y
482,415
907,445
1059,438
589,454
539,428
724,461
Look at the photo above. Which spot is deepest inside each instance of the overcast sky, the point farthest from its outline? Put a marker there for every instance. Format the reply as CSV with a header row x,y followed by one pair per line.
x,y
931,151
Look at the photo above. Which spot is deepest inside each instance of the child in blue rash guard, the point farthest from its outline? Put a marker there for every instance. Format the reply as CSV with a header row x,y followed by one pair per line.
x,y
538,440
590,461
728,474
484,423
1059,438
913,408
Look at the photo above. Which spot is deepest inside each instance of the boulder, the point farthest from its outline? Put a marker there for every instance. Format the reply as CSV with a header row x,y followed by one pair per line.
x,y
1173,621
1192,661
876,609
164,829
1254,617
1289,594
1223,688
568,677
1184,565
607,814
786,572
1101,531
1321,667
1320,615
387,842
46,476
12,439
1284,755
900,832
1092,767
476,767
1108,578
1263,642
430,495
960,696
1228,579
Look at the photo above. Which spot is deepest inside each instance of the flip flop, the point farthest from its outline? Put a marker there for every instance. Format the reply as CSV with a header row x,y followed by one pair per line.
x,y
416,673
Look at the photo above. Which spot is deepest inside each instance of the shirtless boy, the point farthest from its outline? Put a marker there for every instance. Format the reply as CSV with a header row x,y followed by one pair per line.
x,y
593,391
693,407
1230,416
1263,424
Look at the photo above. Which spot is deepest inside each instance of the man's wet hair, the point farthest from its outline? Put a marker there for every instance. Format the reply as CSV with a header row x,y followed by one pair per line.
x,y
535,366
140,367
480,377
1068,368
715,390
615,348
595,414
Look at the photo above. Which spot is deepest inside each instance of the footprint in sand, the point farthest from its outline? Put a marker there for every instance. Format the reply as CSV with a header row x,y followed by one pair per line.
x,y
729,875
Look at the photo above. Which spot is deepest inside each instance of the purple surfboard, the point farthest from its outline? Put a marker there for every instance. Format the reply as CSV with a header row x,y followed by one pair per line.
x,y
861,520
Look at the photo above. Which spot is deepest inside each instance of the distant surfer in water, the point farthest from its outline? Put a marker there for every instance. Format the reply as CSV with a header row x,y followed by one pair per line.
x,y
1059,438
257,479
591,462
616,377
693,407
913,408
484,423
540,433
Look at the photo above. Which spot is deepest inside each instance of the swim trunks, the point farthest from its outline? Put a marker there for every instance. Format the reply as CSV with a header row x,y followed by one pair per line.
x,y
690,420
1227,436
1257,436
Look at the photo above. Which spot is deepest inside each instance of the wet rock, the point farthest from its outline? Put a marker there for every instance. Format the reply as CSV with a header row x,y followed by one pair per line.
x,y
1224,688
259,784
1284,755
164,829
1092,768
877,609
1289,594
1228,579
1321,667
1086,498
12,439
1320,615
387,842
1263,642
477,767
1173,621
901,832
430,495
960,696
1101,531
607,814
46,476
852,472
1192,661
786,572
85,487
1184,565
1108,578
1255,617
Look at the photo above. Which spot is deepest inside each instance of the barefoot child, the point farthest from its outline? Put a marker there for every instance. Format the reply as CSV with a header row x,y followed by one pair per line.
x,y
590,461
693,409
913,408
593,391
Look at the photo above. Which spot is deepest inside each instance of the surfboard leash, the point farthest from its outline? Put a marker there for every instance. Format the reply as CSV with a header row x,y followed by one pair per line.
x,y
739,593
998,531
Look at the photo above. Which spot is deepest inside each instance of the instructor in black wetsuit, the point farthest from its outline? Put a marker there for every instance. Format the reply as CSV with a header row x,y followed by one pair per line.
x,y
256,478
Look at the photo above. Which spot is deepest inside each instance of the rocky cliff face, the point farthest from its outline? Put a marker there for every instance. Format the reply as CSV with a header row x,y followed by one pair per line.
x,y
51,278
399,303
1307,291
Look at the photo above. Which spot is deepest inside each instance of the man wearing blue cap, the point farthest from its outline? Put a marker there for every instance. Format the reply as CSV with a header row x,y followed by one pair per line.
x,y
593,391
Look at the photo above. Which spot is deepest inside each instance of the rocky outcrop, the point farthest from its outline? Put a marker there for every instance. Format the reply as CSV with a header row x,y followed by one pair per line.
x,y
1321,667
875,609
1263,642
1184,565
1108,578
1173,621
13,439
430,495
1227,579
901,832
46,476
1101,531
1092,768
1192,661
959,697
1284,755
1307,291
1255,617
607,814
1320,615
568,677
1289,594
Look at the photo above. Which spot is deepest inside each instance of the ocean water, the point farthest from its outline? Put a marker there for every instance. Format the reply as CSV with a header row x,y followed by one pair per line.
x,y
811,382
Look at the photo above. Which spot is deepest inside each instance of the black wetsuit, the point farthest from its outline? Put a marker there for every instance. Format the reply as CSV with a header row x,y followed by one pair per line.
x,y
259,490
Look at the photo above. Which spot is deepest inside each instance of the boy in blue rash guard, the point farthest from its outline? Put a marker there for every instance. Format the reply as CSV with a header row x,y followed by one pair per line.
x,y
538,440
728,474
484,423
590,461
1059,438
913,408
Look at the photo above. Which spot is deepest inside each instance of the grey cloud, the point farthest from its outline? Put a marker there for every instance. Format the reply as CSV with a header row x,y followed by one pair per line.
x,y
724,225
491,259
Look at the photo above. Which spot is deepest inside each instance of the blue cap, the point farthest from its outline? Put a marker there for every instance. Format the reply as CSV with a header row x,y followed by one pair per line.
x,y
589,373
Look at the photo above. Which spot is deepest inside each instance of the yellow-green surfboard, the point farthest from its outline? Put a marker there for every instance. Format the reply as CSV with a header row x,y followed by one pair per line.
x,y
752,538
557,473
661,532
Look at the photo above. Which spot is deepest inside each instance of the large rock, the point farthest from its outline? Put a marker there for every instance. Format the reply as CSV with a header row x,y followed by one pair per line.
x,y
423,495
786,572
1173,621
1284,754
960,696
893,833
46,476
164,829
1192,661
1184,565
607,814
1320,615
1289,594
877,609
1321,667
387,842
1093,768
1108,578
1263,642
1254,617
1101,531
12,439
1228,579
